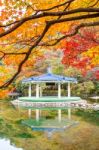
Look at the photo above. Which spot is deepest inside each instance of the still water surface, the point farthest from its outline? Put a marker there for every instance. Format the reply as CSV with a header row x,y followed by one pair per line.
x,y
16,136
6,145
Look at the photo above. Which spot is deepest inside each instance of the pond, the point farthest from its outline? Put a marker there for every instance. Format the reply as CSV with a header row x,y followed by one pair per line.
x,y
81,134
6,145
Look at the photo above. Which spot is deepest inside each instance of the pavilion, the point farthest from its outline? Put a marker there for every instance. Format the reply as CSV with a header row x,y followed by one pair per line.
x,y
49,77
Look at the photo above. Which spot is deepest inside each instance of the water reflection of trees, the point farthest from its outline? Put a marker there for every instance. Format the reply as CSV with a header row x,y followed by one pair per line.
x,y
84,137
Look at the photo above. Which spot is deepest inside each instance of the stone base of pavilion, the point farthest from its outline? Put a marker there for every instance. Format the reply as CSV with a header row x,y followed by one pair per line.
x,y
48,102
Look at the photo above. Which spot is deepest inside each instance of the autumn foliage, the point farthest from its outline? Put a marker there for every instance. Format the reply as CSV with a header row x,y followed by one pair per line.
x,y
82,51
29,28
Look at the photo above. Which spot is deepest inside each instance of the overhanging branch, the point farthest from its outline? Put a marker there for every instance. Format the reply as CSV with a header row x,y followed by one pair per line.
x,y
26,57
77,28
19,23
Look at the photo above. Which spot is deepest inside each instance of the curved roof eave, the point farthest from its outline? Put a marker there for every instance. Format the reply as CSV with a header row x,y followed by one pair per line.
x,y
49,78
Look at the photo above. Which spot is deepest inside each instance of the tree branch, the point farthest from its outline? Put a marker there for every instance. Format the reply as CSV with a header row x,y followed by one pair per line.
x,y
97,1
26,57
77,28
57,6
5,54
46,14
52,22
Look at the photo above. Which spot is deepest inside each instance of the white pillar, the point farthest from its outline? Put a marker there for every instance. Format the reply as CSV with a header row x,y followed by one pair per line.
x,y
69,91
59,90
59,115
29,92
37,114
29,113
40,91
37,90
69,113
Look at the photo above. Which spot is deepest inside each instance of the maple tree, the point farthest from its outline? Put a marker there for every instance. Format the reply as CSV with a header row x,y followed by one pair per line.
x,y
28,26
82,51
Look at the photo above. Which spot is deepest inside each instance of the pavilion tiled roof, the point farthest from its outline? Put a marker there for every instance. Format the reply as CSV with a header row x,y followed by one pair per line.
x,y
49,77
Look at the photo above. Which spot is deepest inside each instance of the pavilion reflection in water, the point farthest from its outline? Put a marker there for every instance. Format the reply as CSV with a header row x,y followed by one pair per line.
x,y
40,102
